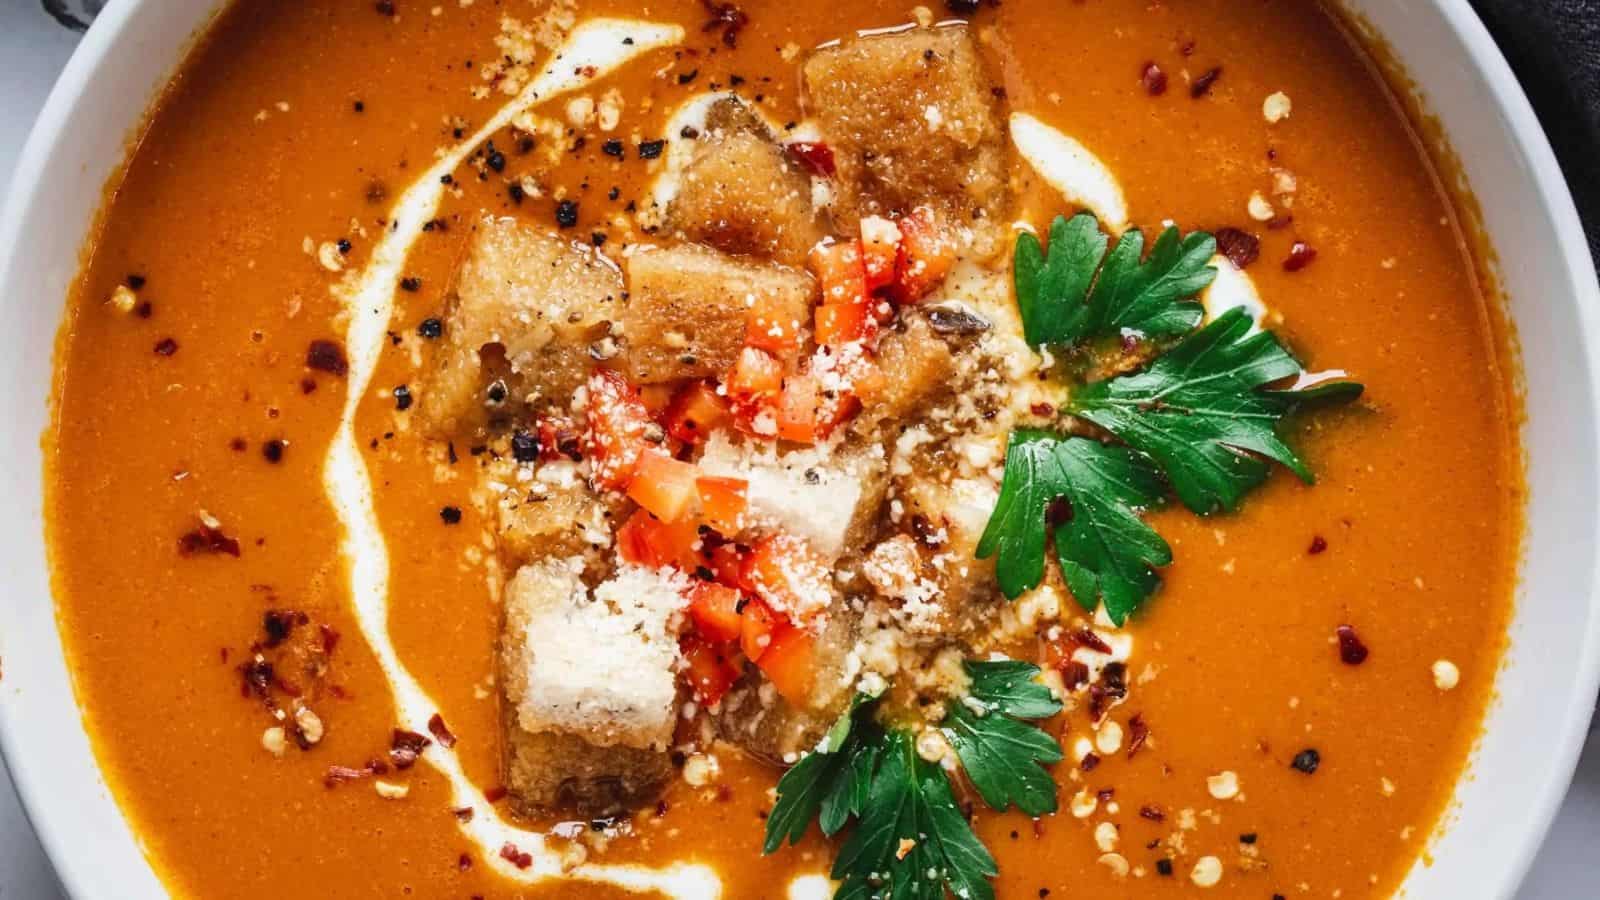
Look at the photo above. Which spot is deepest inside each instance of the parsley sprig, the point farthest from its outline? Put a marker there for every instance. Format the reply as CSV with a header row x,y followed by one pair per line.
x,y
1201,419
1077,292
910,838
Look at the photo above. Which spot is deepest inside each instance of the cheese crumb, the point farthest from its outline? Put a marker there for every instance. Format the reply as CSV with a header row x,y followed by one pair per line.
x,y
1260,208
1224,785
1105,837
1207,871
1445,675
1108,739
124,299
1115,862
1276,107
1083,804
390,791
273,741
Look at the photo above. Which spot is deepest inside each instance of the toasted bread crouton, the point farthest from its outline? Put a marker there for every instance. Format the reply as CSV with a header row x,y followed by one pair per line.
x,y
527,307
741,194
688,309
920,369
757,719
548,771
599,667
556,514
912,119
832,501
945,589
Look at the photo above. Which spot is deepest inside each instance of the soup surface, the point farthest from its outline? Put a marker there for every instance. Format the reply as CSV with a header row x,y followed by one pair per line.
x,y
494,439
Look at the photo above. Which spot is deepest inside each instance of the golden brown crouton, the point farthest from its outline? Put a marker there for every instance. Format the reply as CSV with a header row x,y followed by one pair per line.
x,y
688,308
912,119
554,516
741,194
527,308
547,772
951,589
920,369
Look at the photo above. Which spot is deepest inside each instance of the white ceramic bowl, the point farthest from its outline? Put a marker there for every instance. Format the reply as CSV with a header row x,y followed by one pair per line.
x,y
1546,689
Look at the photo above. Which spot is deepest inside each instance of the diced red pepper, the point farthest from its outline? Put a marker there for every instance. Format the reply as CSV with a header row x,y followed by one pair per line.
x,y
772,327
797,409
714,609
618,423
838,324
880,250
839,269
648,541
558,439
722,502
664,486
755,372
927,253
727,566
789,664
756,624
816,157
656,397
784,572
694,412
710,671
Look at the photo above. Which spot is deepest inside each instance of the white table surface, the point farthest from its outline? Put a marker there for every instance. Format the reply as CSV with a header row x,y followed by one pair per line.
x,y
33,48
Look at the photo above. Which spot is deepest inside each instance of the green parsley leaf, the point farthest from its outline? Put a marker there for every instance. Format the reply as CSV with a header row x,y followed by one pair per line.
x,y
829,784
1004,757
1064,302
1107,552
911,801
1197,406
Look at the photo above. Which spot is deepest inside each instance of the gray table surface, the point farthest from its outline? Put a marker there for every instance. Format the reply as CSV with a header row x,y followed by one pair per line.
x,y
32,51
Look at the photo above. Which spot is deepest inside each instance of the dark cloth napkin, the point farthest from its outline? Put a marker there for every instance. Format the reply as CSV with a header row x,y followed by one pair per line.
x,y
1554,47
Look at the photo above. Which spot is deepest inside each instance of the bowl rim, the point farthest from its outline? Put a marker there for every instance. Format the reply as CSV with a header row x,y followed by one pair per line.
x,y
1526,137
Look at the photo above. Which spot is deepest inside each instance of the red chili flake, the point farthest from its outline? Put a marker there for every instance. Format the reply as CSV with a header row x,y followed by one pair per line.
x,y
495,794
1280,222
279,623
1153,79
1138,733
1153,813
1104,795
1090,762
206,539
330,638
814,156
437,728
726,16
308,385
1085,637
405,747
1351,651
327,356
1318,544
1074,674
166,347
337,775
516,857
463,862
1202,85
385,7
463,814
256,677
1240,247
1301,254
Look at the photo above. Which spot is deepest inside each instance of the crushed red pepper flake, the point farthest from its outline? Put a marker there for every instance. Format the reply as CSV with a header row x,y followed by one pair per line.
x,y
207,539
1203,84
1352,652
405,747
1152,812
1138,734
463,862
726,16
1153,79
1240,247
440,731
495,794
327,356
166,347
1318,544
814,156
510,853
1301,254
463,813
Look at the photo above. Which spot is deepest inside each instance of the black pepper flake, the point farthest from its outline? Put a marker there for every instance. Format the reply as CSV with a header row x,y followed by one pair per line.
x,y
612,147
450,515
1318,544
327,356
598,238
411,284
1306,761
651,149
1352,652
1249,837
430,328
1202,85
135,281
344,246
515,192
385,7
614,193
144,310
166,347
962,7
358,106
496,160
272,451
688,132
524,446
686,77
567,213
1164,867
402,398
